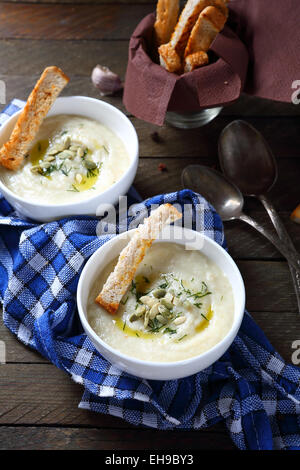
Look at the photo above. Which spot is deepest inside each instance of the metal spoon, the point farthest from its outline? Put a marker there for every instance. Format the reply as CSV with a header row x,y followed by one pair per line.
x,y
247,160
229,202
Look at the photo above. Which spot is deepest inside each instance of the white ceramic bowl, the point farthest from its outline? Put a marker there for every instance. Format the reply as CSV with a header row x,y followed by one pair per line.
x,y
110,117
162,370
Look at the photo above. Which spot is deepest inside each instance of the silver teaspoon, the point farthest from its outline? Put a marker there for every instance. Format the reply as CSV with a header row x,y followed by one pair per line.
x,y
247,160
229,202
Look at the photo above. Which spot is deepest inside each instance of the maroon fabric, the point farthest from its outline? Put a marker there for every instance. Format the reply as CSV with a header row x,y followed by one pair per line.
x,y
271,30
150,90
266,32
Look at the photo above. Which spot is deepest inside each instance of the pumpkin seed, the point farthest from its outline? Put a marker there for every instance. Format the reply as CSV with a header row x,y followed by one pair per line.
x,y
133,317
140,310
45,165
163,310
167,304
90,165
36,169
154,311
147,300
80,152
169,297
158,293
179,320
49,159
67,142
55,149
162,319
66,154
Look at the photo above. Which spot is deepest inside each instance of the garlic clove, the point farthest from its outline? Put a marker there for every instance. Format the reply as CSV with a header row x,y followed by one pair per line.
x,y
105,80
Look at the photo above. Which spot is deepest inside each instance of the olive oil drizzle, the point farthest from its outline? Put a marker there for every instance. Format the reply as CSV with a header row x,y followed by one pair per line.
x,y
38,155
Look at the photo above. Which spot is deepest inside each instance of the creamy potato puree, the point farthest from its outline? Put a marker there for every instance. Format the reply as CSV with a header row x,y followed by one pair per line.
x,y
193,294
72,158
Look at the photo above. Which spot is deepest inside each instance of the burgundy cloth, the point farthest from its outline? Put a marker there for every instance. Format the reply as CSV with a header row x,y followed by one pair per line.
x,y
271,31
265,30
150,90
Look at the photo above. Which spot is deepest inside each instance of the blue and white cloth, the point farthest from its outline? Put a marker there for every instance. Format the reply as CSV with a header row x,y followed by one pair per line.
x,y
250,388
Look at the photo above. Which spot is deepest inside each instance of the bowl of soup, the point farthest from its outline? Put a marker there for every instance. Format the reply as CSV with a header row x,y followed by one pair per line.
x,y
181,312
84,155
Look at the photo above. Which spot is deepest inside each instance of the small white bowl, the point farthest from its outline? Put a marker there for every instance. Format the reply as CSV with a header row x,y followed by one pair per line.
x,y
162,370
105,114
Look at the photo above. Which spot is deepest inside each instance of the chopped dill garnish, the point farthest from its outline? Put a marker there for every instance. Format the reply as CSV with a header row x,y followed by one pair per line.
x,y
146,279
170,331
182,337
123,302
124,326
74,189
154,325
65,171
164,285
202,315
137,335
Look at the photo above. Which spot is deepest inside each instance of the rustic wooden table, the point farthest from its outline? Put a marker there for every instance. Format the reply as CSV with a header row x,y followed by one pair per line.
x,y
38,403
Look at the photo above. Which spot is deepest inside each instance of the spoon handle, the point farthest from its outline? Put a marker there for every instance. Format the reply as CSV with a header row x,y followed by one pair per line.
x,y
291,255
284,236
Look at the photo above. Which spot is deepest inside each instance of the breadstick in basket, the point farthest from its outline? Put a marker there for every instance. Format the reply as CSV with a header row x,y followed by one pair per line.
x,y
166,18
210,22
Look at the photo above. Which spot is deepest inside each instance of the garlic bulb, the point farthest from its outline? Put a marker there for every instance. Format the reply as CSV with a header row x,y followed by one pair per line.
x,y
105,80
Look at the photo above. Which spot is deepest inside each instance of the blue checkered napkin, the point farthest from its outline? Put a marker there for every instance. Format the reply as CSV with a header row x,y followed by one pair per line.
x,y
250,388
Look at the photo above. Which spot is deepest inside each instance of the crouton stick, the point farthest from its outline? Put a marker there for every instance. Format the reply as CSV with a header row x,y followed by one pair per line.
x,y
166,19
131,256
40,100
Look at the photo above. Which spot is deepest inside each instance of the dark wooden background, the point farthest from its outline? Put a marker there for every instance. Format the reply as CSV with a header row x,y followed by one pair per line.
x,y
38,403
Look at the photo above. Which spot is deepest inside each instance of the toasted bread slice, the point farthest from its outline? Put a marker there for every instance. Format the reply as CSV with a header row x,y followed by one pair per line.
x,y
169,59
210,22
195,60
40,100
221,5
166,18
130,257
185,24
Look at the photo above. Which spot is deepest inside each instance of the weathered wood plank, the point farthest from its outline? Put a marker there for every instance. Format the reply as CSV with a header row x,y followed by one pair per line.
x,y
150,181
43,438
74,57
70,21
17,351
244,242
281,133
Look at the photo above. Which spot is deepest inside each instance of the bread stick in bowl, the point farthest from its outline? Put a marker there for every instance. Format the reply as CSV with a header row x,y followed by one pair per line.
x,y
131,256
40,100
